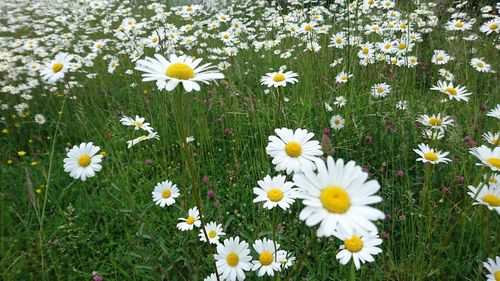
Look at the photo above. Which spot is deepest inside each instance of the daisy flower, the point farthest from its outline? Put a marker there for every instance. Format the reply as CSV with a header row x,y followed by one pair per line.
x,y
285,259
293,151
267,262
488,196
380,90
440,57
492,138
491,26
359,247
458,25
340,101
493,267
458,93
275,192
342,77
435,121
83,161
337,122
233,259
338,197
279,79
56,69
211,277
192,220
488,157
165,193
183,69
138,123
430,155
495,112
40,119
446,74
214,232
480,65
151,135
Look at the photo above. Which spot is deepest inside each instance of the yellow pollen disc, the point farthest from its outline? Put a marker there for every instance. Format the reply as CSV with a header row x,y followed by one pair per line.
x,y
189,9
56,67
275,194
404,25
308,27
266,258
365,51
84,160
226,36
166,193
493,27
459,25
190,220
493,180
278,77
335,199
494,161
232,259
497,275
402,46
155,39
337,122
435,121
353,245
292,29
431,156
293,149
138,123
387,46
492,200
440,58
380,90
451,91
212,233
180,71
338,41
480,64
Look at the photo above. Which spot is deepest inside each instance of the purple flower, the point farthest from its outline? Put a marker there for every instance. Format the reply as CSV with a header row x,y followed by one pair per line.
x,y
148,161
327,131
460,179
368,139
96,277
210,193
204,180
400,173
384,234
402,217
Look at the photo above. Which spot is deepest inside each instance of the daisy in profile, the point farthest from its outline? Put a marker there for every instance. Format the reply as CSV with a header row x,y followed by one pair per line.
x,y
56,69
488,157
359,247
192,220
151,135
267,262
457,93
233,259
285,259
480,65
337,197
435,121
293,151
381,90
183,69
138,123
165,193
279,79
214,232
495,112
429,155
489,195
493,267
337,122
83,161
492,138
275,192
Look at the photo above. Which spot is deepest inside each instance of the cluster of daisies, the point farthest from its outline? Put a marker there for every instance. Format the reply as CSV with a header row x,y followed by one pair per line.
x,y
139,124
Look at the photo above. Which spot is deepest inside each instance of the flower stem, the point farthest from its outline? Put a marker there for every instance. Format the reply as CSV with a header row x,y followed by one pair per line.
x,y
352,271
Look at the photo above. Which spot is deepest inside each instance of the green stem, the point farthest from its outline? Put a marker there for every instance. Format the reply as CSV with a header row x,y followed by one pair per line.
x,y
352,271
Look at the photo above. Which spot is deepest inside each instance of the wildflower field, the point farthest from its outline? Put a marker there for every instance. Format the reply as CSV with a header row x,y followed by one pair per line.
x,y
249,140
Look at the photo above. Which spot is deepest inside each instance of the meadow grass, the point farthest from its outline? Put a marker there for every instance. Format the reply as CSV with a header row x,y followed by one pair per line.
x,y
54,227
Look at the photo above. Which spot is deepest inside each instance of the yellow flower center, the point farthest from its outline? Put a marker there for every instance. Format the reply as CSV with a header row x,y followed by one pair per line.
x,y
190,220
451,91
308,27
232,259
155,39
353,245
494,161
293,149
338,40
435,121
480,64
278,77
402,46
275,194
266,258
440,58
492,200
493,27
459,25
493,180
189,9
166,193
180,71
138,123
84,160
387,46
335,199
56,67
365,51
431,156
380,90
226,36
497,275
212,233
337,121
